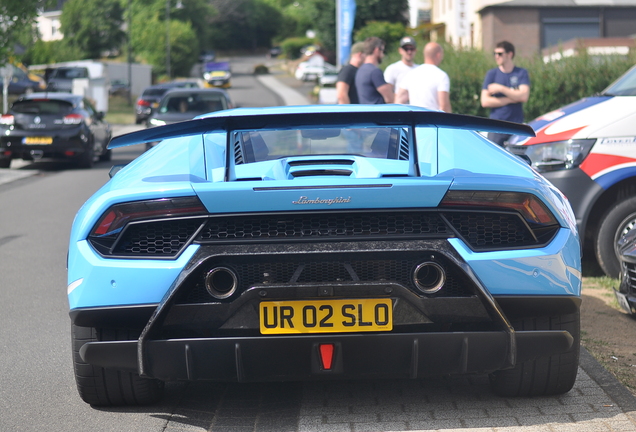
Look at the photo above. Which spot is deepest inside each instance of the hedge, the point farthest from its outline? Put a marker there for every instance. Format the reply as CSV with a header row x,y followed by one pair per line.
x,y
552,85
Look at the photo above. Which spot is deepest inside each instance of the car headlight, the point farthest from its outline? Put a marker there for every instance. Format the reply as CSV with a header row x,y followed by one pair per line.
x,y
156,122
557,155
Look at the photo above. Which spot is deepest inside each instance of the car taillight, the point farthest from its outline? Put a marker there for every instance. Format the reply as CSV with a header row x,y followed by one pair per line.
x,y
142,102
7,119
117,216
528,205
158,228
72,119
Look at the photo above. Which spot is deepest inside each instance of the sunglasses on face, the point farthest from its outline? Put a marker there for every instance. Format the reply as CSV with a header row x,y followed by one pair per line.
x,y
499,53
408,48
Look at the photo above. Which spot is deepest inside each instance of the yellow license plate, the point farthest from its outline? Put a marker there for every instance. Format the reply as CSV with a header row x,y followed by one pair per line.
x,y
37,140
326,316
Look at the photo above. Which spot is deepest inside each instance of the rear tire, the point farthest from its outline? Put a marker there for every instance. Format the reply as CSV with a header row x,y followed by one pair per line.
x,y
550,375
87,159
615,223
5,163
105,387
107,156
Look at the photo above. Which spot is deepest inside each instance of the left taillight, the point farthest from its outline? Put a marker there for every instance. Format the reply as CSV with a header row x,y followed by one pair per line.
x,y
7,119
113,222
72,119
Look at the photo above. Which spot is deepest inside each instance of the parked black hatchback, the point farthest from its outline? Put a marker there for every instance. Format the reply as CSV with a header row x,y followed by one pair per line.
x,y
54,126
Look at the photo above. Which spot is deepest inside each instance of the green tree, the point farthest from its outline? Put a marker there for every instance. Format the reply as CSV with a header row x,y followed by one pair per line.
x,y
389,32
93,26
244,24
41,52
148,38
16,16
394,11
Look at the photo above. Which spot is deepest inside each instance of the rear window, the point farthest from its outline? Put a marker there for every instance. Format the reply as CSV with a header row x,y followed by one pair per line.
x,y
373,141
44,106
154,92
196,104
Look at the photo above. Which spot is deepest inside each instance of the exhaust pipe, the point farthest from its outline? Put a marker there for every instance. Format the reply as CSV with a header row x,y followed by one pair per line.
x,y
429,277
36,154
221,282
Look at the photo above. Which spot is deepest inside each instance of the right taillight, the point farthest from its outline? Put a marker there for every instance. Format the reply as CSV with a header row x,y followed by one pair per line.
x,y
528,205
490,220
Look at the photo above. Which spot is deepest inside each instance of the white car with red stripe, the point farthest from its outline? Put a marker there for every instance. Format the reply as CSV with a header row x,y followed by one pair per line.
x,y
588,150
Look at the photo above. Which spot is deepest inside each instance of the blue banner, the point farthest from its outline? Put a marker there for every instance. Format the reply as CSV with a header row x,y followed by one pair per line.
x,y
346,14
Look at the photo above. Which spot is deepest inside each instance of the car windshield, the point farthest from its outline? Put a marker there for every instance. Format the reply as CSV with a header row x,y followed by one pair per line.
x,y
42,106
373,141
193,103
624,86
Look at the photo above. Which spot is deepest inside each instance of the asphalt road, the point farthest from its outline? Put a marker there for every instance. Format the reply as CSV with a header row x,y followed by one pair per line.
x,y
37,388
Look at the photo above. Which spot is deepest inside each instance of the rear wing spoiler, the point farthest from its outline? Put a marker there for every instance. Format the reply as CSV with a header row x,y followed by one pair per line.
x,y
288,117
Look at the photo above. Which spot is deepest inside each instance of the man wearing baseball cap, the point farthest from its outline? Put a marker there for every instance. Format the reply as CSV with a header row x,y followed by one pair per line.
x,y
394,72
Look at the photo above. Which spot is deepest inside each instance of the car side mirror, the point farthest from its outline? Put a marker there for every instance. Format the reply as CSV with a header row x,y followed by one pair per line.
x,y
115,169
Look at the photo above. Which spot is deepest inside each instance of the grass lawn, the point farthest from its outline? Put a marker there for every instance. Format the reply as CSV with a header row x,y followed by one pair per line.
x,y
119,111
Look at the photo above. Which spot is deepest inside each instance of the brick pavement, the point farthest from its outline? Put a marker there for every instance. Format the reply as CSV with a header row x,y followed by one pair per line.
x,y
597,403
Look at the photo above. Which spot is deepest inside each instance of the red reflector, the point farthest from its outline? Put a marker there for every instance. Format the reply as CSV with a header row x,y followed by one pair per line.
x,y
326,355
69,153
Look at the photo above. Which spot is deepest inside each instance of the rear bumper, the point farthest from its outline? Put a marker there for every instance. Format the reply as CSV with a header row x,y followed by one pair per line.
x,y
279,358
67,144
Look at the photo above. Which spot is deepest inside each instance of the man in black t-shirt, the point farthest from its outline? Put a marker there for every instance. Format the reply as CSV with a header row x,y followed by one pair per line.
x,y
346,84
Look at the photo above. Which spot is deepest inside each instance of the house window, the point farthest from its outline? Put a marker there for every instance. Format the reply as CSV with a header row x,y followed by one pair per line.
x,y
558,26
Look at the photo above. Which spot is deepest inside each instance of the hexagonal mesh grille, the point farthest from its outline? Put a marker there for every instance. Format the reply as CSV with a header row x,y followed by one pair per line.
x,y
491,230
323,225
161,238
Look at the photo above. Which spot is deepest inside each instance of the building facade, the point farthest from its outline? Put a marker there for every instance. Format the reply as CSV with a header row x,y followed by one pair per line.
x,y
531,25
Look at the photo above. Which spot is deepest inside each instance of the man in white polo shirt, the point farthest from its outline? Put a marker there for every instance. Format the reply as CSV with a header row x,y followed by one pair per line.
x,y
427,85
394,72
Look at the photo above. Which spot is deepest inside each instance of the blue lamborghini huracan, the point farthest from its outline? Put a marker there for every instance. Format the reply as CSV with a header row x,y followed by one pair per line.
x,y
323,242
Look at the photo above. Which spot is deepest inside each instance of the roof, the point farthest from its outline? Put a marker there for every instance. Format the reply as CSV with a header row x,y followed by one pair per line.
x,y
191,90
52,95
562,3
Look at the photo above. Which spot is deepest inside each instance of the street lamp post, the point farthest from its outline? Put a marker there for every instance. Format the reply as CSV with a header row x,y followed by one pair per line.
x,y
179,6
168,71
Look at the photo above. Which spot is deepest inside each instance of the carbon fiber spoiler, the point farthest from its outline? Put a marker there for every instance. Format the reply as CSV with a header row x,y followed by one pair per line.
x,y
286,117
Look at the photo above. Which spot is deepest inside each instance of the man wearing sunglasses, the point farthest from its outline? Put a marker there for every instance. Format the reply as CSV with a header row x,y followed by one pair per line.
x,y
394,72
505,89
